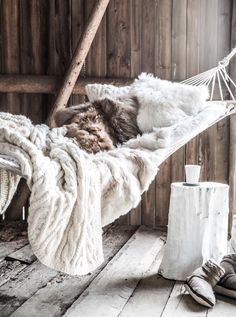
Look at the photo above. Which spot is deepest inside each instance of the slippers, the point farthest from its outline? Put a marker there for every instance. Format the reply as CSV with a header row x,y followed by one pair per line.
x,y
227,284
200,284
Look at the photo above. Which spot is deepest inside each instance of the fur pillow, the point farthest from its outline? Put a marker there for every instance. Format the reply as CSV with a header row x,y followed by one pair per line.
x,y
163,103
99,92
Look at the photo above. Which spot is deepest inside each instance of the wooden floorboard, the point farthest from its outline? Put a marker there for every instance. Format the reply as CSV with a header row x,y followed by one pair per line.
x,y
13,236
24,255
15,292
225,307
112,288
9,270
151,294
126,285
63,290
180,304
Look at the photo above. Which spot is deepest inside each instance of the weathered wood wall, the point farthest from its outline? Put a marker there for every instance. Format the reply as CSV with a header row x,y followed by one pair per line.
x,y
172,38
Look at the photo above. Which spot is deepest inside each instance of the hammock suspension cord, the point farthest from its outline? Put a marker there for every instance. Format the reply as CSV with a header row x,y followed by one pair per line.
x,y
215,75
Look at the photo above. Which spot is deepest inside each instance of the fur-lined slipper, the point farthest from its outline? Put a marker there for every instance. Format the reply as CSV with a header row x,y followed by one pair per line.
x,y
227,285
200,284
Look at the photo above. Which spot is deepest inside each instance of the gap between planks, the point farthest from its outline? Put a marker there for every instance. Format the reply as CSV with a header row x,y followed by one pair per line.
x,y
109,292
39,290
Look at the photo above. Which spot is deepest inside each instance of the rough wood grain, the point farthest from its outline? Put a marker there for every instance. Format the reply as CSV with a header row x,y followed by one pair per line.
x,y
96,60
192,151
78,58
180,304
110,290
118,39
220,137
151,294
9,20
8,247
34,84
163,66
119,47
24,255
148,63
57,296
179,71
9,270
15,292
11,64
135,69
207,58
224,307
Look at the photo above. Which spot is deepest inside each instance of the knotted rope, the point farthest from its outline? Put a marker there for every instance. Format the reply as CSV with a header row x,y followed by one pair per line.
x,y
215,75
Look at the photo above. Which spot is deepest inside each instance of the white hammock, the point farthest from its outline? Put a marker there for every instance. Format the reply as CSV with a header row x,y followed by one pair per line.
x,y
73,193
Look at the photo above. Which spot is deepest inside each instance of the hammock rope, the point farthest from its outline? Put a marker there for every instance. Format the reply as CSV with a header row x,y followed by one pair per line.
x,y
217,75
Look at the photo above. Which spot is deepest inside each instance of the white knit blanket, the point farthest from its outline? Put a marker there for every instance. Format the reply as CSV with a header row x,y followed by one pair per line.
x,y
74,194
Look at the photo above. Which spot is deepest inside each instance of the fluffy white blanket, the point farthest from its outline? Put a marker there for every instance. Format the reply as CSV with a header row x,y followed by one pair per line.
x,y
73,194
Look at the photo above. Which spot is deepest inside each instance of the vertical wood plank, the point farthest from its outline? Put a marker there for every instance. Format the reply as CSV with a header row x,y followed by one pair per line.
x,y
148,65
193,44
9,20
33,41
10,49
77,26
148,35
119,45
118,38
163,68
207,59
179,71
135,61
96,59
59,38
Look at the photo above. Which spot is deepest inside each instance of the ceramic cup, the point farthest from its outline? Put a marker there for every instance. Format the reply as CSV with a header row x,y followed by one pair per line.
x,y
192,173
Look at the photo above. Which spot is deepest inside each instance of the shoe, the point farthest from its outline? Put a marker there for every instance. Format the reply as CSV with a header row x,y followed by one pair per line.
x,y
227,285
200,284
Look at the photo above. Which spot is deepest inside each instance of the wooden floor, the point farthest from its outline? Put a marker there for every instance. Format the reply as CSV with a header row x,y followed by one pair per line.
x,y
126,284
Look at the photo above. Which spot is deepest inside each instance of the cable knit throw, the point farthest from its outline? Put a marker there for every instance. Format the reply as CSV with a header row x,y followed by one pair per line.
x,y
74,194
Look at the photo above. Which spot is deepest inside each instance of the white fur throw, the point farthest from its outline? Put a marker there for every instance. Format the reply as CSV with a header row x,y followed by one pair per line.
x,y
161,103
74,194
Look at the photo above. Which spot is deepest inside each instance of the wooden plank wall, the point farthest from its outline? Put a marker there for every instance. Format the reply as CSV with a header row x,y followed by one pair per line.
x,y
173,39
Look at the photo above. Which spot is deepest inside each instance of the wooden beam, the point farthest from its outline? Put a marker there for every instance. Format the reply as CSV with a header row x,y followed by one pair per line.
x,y
78,58
39,84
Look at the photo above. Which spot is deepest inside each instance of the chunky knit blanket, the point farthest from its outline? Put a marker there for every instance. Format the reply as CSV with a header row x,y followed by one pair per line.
x,y
74,194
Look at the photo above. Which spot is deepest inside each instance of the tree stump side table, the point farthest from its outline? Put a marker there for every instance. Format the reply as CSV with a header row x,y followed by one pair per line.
x,y
197,228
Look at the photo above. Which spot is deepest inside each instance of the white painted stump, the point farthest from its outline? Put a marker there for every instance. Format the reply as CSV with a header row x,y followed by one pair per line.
x,y
197,228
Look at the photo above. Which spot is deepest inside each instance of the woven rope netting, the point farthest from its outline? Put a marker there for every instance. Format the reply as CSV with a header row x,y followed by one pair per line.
x,y
216,76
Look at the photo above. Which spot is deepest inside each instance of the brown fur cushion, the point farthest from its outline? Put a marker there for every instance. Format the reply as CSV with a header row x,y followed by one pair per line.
x,y
101,125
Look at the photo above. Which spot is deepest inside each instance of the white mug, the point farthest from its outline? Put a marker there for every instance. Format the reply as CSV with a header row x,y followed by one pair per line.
x,y
192,173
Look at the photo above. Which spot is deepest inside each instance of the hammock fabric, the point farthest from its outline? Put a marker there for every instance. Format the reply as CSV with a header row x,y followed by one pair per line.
x,y
74,194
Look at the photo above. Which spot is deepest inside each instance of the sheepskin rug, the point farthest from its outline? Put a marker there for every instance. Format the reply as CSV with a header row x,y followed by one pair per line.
x,y
163,103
